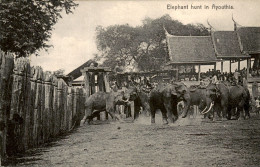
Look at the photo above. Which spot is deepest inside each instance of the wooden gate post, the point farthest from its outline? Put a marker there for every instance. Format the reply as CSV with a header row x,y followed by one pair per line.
x,y
102,80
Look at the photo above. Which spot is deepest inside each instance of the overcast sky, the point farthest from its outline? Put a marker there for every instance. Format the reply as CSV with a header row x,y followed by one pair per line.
x,y
73,39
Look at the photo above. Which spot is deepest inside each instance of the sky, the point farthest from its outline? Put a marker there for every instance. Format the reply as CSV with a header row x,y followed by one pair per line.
x,y
73,37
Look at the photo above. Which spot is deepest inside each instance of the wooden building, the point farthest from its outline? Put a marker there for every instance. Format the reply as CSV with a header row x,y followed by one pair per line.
x,y
227,48
186,52
249,42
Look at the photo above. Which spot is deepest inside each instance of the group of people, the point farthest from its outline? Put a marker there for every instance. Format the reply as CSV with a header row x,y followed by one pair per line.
x,y
237,77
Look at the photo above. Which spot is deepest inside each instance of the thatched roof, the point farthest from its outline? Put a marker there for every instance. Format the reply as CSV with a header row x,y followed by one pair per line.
x,y
226,45
249,38
190,50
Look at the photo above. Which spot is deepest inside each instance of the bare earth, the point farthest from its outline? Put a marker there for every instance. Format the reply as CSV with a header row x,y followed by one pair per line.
x,y
188,142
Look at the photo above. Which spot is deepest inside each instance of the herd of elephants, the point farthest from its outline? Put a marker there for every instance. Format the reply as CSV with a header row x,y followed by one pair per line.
x,y
221,99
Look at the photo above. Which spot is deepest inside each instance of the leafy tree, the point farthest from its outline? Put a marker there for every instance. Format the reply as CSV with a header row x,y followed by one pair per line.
x,y
26,25
144,45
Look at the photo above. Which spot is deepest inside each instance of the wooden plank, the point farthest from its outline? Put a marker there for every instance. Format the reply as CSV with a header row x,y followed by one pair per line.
x,y
65,109
106,82
86,84
26,110
37,107
55,106
47,105
60,107
69,107
31,103
6,69
75,98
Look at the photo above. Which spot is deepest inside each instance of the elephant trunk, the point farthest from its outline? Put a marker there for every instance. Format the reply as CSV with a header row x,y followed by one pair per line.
x,y
186,107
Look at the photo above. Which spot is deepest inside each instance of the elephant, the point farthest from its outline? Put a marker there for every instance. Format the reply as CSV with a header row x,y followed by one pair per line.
x,y
140,96
198,97
166,97
103,101
227,98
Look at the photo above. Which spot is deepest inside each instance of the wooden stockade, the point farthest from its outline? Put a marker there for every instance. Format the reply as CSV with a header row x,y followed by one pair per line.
x,y
38,106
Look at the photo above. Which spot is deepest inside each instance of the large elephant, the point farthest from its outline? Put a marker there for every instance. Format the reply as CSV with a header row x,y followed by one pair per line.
x,y
227,98
103,101
166,97
198,97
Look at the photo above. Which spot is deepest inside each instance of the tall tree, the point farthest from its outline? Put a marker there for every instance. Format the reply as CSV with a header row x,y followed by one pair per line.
x,y
26,25
143,45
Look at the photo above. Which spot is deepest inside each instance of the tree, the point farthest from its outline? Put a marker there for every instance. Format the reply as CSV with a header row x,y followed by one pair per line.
x,y
143,45
26,25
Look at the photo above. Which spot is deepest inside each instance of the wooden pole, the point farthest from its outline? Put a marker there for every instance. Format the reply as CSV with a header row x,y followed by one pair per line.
x,y
229,66
238,65
107,88
248,67
199,74
222,67
215,66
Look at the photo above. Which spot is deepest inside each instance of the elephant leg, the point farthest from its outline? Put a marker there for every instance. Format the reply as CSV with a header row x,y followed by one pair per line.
x,y
175,112
136,111
247,108
164,115
153,109
95,114
229,111
114,116
146,109
87,116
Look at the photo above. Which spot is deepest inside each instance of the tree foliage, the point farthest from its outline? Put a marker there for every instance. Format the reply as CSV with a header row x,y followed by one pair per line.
x,y
26,25
143,45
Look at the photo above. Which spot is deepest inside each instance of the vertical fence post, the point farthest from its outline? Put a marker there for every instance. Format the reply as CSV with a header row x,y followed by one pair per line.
x,y
55,106
37,107
69,107
6,68
47,106
26,111
74,106
59,110
31,105
65,109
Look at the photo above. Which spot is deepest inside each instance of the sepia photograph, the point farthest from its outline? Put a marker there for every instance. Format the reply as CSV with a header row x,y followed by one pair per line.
x,y
130,83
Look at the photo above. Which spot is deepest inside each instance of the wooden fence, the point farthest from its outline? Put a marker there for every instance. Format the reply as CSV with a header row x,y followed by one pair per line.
x,y
41,106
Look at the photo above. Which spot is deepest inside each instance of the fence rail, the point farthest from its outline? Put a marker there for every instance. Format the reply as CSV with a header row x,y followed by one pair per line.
x,y
35,105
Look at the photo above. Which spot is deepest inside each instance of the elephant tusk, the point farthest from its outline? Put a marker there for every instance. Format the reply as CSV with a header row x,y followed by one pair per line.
x,y
204,110
126,100
211,105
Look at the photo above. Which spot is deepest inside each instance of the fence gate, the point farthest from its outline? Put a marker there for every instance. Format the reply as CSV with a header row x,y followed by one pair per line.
x,y
95,80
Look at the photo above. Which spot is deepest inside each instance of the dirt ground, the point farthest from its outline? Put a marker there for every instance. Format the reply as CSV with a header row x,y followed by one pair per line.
x,y
188,142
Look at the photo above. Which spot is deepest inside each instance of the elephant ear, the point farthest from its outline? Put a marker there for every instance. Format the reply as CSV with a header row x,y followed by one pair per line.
x,y
168,91
181,89
173,92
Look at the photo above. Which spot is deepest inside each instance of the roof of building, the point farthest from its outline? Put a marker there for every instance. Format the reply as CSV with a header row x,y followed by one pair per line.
x,y
226,45
190,50
249,38
77,73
